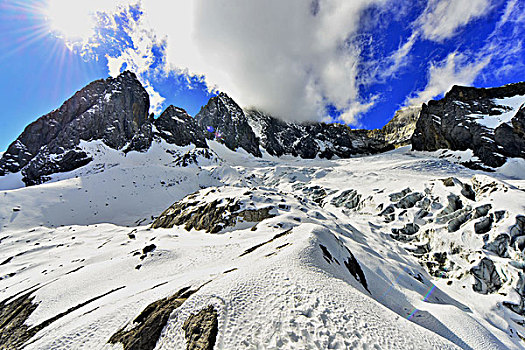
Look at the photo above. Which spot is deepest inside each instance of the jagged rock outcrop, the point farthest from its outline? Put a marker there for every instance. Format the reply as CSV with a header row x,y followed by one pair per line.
x,y
177,127
15,311
113,110
399,130
223,114
203,211
148,326
200,330
487,121
486,277
349,199
309,140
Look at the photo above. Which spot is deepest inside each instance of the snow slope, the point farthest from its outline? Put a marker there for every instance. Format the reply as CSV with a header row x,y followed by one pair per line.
x,y
508,107
83,243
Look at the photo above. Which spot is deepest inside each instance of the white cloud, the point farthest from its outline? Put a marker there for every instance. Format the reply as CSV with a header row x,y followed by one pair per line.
x,y
453,70
442,18
289,58
502,49
155,99
399,59
512,13
271,54
350,116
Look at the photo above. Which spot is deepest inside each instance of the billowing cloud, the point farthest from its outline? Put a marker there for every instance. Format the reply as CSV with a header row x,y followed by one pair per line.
x,y
291,58
295,59
503,49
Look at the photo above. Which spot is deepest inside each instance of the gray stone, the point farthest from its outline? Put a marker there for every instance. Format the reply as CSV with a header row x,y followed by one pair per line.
x,y
395,197
518,229
409,200
112,110
148,325
209,216
448,124
223,114
200,330
483,225
468,192
454,204
459,219
482,210
486,277
309,140
349,199
408,229
177,127
499,246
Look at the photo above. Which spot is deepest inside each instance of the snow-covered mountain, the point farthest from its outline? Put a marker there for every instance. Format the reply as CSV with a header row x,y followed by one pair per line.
x,y
176,238
488,122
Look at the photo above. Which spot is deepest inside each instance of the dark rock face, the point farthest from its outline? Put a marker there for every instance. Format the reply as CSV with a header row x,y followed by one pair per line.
x,y
177,127
200,330
355,269
14,312
112,110
455,123
148,326
349,199
223,114
499,246
309,140
141,141
486,277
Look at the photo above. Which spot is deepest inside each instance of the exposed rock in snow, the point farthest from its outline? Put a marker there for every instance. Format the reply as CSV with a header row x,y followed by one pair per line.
x,y
487,121
349,199
225,116
395,250
176,127
310,140
212,210
487,278
147,327
399,130
499,245
200,330
112,110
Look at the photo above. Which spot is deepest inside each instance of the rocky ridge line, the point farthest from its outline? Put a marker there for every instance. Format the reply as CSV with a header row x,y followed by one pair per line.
x,y
457,122
113,110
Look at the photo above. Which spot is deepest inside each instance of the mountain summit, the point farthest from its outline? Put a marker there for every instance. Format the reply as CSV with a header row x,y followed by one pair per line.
x,y
490,122
111,110
236,230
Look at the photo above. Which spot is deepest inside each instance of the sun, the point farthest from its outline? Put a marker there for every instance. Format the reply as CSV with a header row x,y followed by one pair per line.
x,y
71,19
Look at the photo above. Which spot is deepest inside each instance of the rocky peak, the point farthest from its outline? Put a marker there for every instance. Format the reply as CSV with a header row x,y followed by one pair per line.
x,y
113,110
177,127
487,121
399,130
222,113
468,93
309,140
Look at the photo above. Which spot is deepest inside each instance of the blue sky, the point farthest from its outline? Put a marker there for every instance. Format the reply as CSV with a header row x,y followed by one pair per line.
x,y
333,60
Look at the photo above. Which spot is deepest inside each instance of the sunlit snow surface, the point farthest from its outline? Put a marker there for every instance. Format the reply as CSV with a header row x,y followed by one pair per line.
x,y
72,238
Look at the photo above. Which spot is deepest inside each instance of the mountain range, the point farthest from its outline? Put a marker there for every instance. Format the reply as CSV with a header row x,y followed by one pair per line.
x,y
236,229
